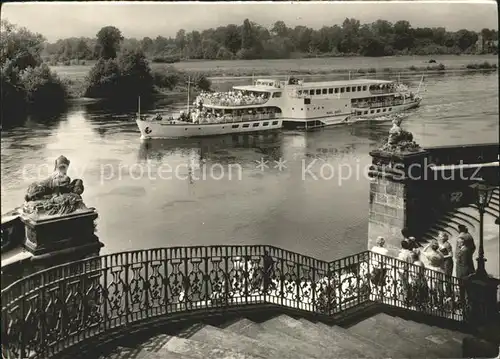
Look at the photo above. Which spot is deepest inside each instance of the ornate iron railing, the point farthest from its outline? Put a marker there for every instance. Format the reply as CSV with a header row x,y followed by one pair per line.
x,y
52,310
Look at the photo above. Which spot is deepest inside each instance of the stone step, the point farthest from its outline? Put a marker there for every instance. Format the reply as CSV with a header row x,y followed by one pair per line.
x,y
438,334
378,332
295,348
230,340
313,335
369,347
435,342
162,355
200,350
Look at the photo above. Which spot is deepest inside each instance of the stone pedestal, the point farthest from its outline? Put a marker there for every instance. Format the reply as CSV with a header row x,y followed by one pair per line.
x,y
45,234
394,198
482,300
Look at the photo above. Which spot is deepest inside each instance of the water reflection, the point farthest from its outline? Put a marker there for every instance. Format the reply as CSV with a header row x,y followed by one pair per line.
x,y
218,149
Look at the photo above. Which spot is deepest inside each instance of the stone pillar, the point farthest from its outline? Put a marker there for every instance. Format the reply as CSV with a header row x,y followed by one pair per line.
x,y
395,196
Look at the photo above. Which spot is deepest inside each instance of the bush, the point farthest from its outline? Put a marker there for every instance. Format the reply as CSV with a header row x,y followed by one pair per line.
x,y
201,82
42,87
124,78
481,66
165,59
167,78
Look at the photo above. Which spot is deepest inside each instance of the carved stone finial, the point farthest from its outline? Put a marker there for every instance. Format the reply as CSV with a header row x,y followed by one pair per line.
x,y
399,140
56,195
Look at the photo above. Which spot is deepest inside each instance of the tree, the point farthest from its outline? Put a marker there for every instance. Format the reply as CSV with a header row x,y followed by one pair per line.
x,y
247,36
147,45
232,38
25,81
123,78
465,39
180,40
82,50
280,29
136,79
42,86
21,46
108,42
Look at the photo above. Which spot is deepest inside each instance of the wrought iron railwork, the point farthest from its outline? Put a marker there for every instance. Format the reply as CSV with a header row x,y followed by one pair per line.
x,y
54,309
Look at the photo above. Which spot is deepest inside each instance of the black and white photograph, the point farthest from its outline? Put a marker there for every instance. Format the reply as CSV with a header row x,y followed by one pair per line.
x,y
250,180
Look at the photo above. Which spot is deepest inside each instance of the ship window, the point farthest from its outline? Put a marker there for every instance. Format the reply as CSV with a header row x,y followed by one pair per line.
x,y
342,90
364,88
378,110
323,107
318,92
185,129
336,90
236,126
301,109
245,125
354,89
347,89
256,124
359,88
384,110
390,108
293,108
372,111
276,94
265,124
325,91
275,123
366,112
307,101
330,90
311,92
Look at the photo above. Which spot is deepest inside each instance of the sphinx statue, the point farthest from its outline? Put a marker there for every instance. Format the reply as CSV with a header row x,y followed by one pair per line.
x,y
56,195
399,140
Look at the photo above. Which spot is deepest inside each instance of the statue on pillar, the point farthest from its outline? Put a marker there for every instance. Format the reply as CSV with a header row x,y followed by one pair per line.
x,y
56,195
399,140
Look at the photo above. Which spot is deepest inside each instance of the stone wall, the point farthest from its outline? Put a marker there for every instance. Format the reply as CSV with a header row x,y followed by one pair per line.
x,y
387,212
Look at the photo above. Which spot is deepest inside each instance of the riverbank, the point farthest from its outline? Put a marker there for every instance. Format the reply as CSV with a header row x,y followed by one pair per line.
x,y
75,83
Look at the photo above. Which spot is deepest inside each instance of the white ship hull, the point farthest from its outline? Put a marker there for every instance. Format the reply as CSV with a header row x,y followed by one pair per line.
x,y
165,129
380,113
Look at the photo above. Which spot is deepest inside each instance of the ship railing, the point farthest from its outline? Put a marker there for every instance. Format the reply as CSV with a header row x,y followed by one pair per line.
x,y
234,103
66,306
242,118
379,92
379,104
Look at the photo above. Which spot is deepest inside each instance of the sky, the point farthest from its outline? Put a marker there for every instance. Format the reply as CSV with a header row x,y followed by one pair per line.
x,y
61,20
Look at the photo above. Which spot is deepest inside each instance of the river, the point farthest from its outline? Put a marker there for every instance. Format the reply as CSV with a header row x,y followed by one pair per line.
x,y
228,200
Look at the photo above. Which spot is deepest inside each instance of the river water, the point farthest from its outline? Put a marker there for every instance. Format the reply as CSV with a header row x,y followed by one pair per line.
x,y
211,191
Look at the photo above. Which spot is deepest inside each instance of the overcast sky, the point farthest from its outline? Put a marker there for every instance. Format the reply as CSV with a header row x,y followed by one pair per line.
x,y
61,20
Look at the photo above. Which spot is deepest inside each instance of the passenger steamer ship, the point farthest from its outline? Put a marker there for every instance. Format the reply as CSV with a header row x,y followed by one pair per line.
x,y
270,104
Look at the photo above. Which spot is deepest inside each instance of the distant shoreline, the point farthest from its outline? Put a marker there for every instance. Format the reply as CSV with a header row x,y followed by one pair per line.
x,y
76,83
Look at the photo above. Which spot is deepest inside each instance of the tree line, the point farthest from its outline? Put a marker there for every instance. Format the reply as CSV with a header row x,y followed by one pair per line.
x,y
120,73
253,41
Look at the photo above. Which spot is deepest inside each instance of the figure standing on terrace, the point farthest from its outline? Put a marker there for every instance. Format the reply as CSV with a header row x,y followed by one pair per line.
x,y
447,251
463,256
56,195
